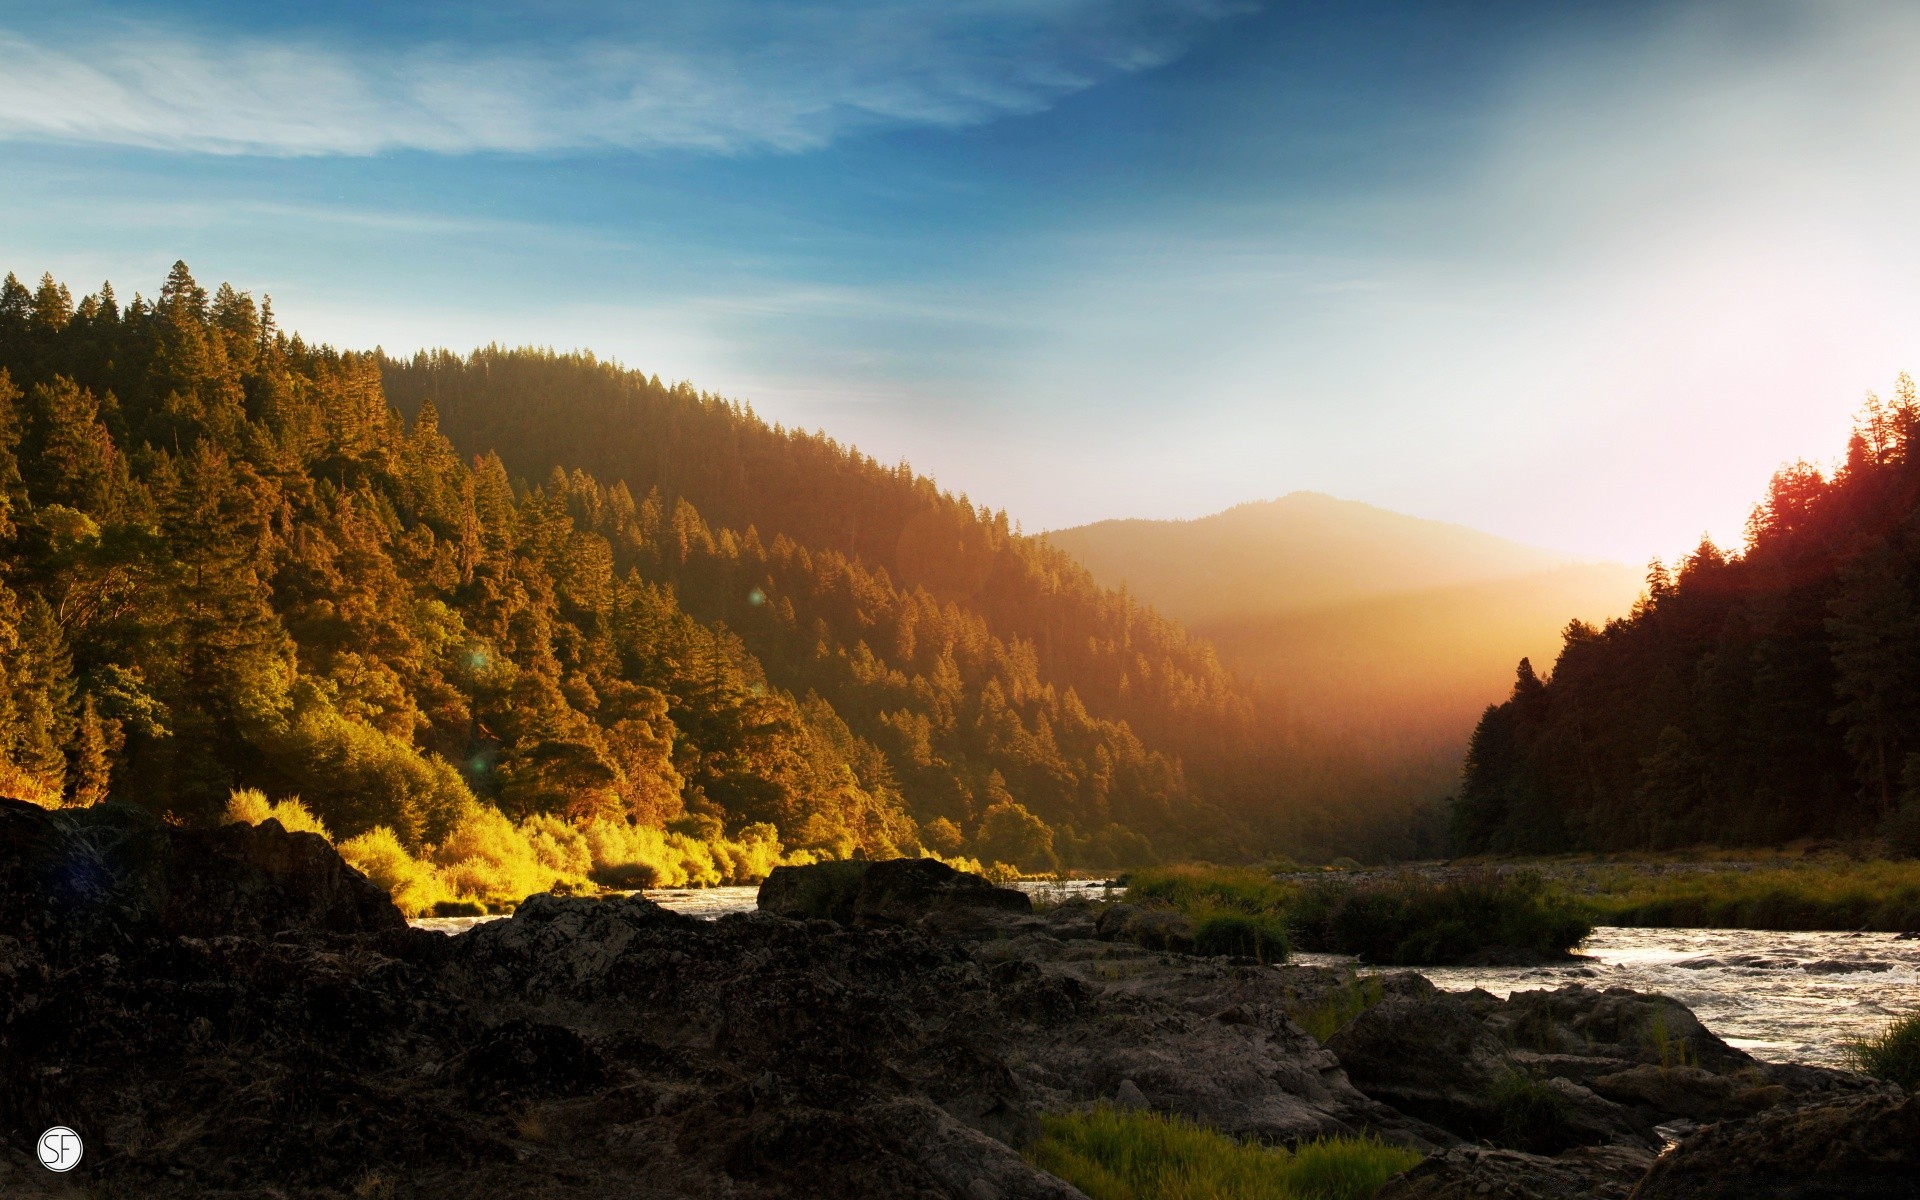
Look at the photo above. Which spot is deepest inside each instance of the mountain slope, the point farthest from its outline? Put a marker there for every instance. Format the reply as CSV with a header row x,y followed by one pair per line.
x,y
518,597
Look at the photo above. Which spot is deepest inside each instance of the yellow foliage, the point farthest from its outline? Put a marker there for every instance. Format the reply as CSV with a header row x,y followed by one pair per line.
x,y
489,861
250,805
416,887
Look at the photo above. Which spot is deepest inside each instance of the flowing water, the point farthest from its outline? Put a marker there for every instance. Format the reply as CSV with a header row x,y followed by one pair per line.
x,y
1785,997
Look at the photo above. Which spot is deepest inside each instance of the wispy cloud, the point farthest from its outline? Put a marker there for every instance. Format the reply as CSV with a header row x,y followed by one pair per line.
x,y
717,76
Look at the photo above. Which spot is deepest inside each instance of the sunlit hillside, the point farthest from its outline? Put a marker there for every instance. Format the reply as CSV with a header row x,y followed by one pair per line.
x,y
510,608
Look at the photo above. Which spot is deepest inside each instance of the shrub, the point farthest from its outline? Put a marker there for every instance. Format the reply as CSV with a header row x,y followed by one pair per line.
x,y
1194,888
252,806
1412,921
416,887
1115,1155
1241,936
1893,1054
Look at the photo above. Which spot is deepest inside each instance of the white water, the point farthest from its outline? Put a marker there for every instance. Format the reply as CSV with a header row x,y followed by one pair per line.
x,y
1785,997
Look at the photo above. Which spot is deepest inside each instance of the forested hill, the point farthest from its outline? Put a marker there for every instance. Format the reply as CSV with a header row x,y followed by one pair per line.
x,y
229,563
1750,698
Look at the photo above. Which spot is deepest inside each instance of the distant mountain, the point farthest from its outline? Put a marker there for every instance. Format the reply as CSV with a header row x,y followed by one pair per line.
x,y
1303,551
1362,620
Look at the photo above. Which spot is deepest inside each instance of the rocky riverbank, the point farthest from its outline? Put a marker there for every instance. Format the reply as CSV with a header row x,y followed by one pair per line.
x,y
236,1013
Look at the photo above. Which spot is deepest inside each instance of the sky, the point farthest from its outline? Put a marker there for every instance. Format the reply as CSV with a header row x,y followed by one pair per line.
x,y
1580,274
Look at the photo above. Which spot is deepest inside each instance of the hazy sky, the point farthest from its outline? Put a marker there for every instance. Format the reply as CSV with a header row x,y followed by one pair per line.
x,y
1582,274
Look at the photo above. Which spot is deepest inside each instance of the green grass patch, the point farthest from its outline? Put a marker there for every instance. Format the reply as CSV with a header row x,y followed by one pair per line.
x,y
1114,1155
1194,889
1404,921
1893,1055
1882,896
1411,921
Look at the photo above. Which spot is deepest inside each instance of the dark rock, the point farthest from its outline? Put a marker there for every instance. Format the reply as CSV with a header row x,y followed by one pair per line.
x,y
1840,966
900,891
260,880
822,892
101,878
891,892
1484,1173
518,1058
1665,1093
81,880
1432,1058
1865,1149
1616,1023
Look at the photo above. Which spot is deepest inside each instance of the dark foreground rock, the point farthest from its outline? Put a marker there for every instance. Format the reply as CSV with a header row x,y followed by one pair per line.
x,y
1863,1149
236,1013
280,1035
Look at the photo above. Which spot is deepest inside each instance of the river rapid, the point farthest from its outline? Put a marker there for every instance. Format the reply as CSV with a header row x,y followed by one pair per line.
x,y
1783,997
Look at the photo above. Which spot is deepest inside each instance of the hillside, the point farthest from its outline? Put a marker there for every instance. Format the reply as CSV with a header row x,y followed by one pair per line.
x,y
1753,697
1361,621
651,632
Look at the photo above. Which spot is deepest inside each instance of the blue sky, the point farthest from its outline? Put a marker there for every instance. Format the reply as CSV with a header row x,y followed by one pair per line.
x,y
1582,274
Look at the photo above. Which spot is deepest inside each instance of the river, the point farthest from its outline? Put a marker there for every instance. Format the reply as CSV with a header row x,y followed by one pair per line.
x,y
1784,997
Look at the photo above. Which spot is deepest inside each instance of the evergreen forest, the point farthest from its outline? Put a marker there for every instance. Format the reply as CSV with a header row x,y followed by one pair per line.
x,y
1751,698
522,597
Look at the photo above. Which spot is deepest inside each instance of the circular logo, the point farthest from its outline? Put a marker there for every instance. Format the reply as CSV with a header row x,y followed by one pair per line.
x,y
60,1149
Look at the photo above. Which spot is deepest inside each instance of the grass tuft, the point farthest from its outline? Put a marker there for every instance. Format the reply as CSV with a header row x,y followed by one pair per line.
x,y
1331,1014
1529,1115
1118,1155
1893,1054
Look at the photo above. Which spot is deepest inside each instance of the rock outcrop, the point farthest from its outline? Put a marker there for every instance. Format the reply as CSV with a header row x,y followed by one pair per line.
x,y
80,881
898,891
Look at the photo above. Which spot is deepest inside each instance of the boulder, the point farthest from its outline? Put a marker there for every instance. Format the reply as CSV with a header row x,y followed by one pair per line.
x,y
1436,1058
898,891
1617,1023
97,879
1864,1149
1431,1058
1485,1173
1150,928
822,892
261,880
1666,1093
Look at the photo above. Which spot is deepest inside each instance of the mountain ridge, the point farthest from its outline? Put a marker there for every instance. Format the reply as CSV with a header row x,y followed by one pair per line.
x,y
1296,552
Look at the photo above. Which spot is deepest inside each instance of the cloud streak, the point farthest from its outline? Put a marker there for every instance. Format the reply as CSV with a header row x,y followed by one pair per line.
x,y
719,77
